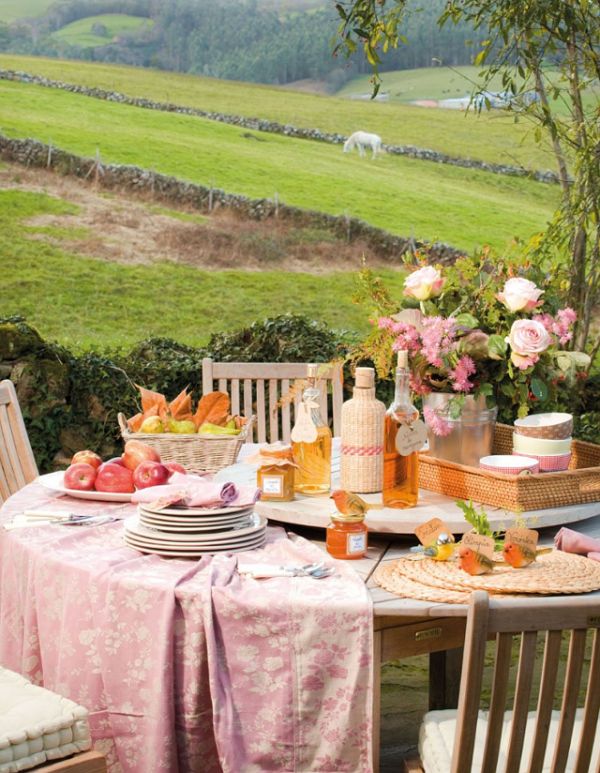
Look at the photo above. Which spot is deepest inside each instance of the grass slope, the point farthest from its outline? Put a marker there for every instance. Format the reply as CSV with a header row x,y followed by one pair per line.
x,y
10,10
463,207
79,33
81,301
491,137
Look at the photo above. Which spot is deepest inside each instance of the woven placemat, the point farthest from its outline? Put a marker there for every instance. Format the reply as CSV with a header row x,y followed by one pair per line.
x,y
555,573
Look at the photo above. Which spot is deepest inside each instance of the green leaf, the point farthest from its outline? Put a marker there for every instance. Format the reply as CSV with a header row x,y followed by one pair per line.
x,y
497,347
563,361
539,388
455,406
485,389
466,320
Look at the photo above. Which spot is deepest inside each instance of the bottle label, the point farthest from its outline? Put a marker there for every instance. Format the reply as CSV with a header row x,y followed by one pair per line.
x,y
272,484
356,543
411,437
304,429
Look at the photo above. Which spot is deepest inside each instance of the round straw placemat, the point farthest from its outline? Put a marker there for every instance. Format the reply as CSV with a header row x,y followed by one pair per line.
x,y
389,577
555,573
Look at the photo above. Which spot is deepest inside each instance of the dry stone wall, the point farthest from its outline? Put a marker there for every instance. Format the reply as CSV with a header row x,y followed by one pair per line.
x,y
263,125
174,191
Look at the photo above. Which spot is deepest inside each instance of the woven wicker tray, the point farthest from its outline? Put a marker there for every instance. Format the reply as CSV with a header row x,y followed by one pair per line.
x,y
555,573
580,484
197,453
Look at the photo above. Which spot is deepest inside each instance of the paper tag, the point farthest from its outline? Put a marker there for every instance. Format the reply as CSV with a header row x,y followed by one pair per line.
x,y
411,437
356,543
427,533
272,484
479,543
527,538
304,430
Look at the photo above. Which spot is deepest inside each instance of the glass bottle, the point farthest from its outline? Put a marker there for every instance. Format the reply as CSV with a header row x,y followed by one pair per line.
x,y
311,442
346,537
400,472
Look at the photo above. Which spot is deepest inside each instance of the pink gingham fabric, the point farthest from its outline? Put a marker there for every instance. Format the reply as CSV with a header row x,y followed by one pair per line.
x,y
185,665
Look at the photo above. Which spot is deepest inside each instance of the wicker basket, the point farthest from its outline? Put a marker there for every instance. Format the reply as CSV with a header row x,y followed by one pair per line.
x,y
197,453
580,484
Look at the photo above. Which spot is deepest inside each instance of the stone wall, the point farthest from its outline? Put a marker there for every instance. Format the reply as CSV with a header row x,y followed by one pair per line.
x,y
263,125
176,192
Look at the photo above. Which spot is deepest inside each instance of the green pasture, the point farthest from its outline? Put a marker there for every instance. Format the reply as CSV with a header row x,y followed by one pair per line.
x,y
79,33
10,10
462,207
405,86
490,137
80,301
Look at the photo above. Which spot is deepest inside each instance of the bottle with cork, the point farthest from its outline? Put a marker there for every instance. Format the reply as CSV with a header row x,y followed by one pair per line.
x,y
363,419
311,441
404,436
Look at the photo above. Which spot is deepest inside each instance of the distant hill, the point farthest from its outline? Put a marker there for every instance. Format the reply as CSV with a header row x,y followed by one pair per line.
x,y
93,31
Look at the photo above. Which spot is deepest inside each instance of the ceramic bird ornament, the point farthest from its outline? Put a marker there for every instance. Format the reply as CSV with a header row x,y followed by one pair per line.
x,y
351,504
519,556
441,550
473,562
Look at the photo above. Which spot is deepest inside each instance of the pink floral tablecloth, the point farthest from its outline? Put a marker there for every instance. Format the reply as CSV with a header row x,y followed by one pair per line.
x,y
185,665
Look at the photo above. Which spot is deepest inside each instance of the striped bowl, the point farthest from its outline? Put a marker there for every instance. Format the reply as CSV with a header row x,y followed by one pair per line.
x,y
508,465
551,426
551,462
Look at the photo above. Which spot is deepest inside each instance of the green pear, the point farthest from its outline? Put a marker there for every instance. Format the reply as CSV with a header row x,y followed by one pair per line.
x,y
152,425
214,429
184,427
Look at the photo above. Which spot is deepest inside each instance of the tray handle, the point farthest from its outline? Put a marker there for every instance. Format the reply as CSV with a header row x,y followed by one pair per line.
x,y
589,484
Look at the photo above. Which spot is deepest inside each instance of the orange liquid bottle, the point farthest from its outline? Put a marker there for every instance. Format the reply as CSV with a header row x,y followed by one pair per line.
x,y
400,471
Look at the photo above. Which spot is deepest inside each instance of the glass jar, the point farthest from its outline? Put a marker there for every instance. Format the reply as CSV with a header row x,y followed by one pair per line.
x,y
346,537
276,481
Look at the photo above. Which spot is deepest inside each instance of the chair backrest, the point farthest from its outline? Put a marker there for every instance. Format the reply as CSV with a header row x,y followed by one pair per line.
x,y
256,388
522,617
17,464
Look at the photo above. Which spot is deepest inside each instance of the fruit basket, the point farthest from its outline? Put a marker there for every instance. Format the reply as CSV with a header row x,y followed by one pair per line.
x,y
580,484
197,453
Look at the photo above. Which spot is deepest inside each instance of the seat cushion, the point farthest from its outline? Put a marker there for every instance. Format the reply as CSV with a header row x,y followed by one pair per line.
x,y
37,725
436,739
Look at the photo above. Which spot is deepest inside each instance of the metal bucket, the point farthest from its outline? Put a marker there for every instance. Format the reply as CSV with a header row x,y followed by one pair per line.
x,y
472,433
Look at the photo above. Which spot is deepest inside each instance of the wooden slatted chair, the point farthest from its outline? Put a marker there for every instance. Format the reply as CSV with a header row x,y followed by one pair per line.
x,y
466,739
255,388
17,464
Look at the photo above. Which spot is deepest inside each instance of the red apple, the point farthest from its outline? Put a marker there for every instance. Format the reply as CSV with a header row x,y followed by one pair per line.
x,y
135,453
116,460
115,478
150,474
80,476
175,467
87,457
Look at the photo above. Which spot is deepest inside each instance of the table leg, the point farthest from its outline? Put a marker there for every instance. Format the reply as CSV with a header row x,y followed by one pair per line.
x,y
377,640
444,678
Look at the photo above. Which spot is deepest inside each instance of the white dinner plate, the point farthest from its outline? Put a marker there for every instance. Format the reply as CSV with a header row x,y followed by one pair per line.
x,y
231,544
133,526
199,519
207,511
55,482
144,521
178,553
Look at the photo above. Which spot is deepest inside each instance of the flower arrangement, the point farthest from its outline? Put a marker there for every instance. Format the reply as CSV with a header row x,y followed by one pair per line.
x,y
475,329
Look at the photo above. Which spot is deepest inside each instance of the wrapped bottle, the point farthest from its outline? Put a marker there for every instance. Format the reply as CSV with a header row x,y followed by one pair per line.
x,y
363,419
311,442
405,434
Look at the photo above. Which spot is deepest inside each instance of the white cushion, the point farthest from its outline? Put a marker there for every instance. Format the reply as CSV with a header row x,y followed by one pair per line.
x,y
37,725
436,739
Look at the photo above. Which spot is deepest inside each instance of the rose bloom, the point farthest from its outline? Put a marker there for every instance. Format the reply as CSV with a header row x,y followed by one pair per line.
x,y
527,340
520,294
423,284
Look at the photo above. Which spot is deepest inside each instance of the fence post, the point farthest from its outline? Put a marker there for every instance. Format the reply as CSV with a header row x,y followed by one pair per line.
x,y
49,160
276,199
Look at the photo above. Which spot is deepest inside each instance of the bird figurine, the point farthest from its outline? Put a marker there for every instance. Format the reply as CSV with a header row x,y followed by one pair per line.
x,y
350,504
441,550
473,562
519,556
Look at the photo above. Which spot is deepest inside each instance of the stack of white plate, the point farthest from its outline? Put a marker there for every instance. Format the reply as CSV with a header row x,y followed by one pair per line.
x,y
189,532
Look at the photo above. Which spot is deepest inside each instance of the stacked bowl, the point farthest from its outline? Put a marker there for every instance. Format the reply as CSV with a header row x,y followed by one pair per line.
x,y
545,437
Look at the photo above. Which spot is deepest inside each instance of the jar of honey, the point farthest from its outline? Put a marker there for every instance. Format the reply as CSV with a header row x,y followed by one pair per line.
x,y
276,471
346,536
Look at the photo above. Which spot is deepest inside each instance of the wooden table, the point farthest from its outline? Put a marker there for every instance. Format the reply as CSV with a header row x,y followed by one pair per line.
x,y
406,627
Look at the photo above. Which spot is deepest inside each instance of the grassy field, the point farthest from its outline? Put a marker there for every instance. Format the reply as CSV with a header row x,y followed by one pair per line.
x,y
405,86
10,10
462,207
491,137
80,301
79,33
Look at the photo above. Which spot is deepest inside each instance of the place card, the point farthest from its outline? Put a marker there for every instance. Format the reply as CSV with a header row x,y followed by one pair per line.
x,y
525,538
479,543
428,532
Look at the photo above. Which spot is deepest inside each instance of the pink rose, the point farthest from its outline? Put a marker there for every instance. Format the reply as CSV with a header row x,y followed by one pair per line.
x,y
423,284
528,338
520,294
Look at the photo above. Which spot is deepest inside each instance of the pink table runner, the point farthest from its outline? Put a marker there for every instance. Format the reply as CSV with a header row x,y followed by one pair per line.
x,y
185,665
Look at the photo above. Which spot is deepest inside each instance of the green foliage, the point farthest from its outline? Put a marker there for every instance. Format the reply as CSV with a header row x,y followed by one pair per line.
x,y
85,32
479,521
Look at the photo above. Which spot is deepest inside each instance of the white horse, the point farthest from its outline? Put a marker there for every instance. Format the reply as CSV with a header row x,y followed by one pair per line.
x,y
363,140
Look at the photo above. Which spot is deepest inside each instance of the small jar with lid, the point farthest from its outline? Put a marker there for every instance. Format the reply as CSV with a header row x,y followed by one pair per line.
x,y
275,474
346,536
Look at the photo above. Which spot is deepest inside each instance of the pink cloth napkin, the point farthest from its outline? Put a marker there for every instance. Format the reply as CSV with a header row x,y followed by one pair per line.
x,y
574,542
190,490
